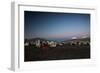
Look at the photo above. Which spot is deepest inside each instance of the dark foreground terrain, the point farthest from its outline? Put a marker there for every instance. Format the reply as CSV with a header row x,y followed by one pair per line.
x,y
58,53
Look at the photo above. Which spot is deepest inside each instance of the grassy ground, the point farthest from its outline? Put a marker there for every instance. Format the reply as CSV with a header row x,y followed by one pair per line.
x,y
59,53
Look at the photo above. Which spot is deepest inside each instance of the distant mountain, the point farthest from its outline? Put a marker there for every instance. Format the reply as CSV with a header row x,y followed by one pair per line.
x,y
34,39
42,39
83,39
80,39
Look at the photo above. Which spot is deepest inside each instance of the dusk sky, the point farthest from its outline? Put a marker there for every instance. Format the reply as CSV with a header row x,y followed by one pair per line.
x,y
56,26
